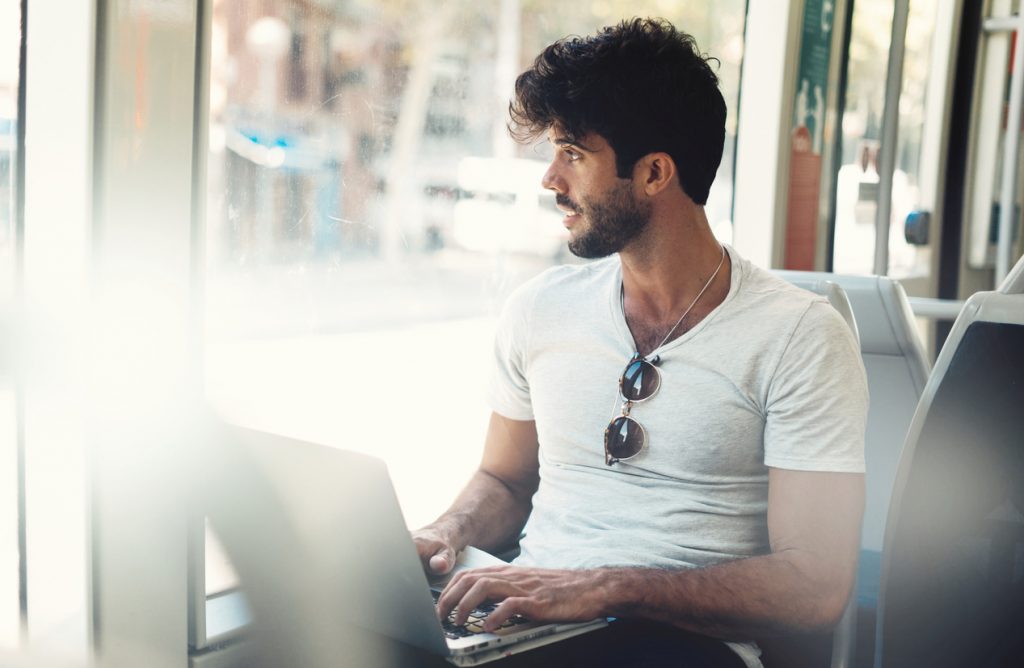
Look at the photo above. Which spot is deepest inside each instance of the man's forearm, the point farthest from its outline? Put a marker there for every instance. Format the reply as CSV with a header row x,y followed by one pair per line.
x,y
803,584
488,514
814,523
758,596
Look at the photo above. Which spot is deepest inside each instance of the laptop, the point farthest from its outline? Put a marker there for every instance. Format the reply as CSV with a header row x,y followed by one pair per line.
x,y
468,646
327,563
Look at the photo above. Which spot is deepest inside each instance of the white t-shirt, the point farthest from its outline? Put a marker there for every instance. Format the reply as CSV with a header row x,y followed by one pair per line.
x,y
771,377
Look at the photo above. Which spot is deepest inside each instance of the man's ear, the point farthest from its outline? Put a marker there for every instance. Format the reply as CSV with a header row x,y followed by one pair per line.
x,y
655,171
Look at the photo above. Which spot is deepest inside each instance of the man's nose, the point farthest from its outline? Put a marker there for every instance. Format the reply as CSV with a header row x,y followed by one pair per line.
x,y
552,180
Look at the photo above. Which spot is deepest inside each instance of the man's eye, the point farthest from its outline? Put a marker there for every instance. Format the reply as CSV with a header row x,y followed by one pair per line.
x,y
572,155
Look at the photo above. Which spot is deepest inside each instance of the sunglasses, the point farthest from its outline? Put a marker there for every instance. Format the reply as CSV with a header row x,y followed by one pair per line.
x,y
626,438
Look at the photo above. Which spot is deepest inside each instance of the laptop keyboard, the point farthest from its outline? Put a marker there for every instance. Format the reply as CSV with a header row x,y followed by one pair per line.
x,y
475,623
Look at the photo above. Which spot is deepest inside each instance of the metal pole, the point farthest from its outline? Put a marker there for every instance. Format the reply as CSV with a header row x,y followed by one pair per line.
x,y
890,134
1008,189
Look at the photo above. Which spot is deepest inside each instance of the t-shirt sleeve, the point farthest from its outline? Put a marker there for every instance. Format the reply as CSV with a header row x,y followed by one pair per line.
x,y
509,390
818,398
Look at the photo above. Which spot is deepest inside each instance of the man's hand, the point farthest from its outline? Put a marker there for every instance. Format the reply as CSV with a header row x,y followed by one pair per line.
x,y
539,594
493,507
435,550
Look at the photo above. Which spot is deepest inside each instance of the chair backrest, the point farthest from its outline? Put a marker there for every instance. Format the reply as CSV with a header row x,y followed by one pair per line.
x,y
952,573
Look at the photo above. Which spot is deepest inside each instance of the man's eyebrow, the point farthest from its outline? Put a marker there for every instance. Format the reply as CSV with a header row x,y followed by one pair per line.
x,y
565,141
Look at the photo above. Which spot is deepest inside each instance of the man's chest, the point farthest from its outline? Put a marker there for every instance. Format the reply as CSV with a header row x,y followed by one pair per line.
x,y
702,421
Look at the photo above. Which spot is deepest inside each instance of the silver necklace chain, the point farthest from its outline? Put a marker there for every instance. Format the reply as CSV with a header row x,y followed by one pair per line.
x,y
622,300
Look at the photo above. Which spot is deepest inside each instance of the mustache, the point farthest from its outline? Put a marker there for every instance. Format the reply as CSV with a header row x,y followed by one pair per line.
x,y
565,202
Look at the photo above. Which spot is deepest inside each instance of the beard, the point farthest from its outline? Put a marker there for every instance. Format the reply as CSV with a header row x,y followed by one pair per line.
x,y
609,224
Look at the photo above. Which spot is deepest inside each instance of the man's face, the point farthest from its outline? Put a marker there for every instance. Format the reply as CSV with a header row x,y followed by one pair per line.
x,y
602,212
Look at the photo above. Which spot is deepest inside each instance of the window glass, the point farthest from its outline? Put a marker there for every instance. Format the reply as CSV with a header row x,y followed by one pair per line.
x,y
988,161
10,41
907,260
857,188
368,213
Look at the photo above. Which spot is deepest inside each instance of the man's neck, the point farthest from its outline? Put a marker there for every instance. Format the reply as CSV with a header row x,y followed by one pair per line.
x,y
673,275
665,269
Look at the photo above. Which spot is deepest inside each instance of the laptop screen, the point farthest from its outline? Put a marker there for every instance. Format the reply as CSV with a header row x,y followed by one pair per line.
x,y
321,549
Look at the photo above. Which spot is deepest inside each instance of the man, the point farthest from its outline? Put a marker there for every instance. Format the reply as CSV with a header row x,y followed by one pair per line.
x,y
725,496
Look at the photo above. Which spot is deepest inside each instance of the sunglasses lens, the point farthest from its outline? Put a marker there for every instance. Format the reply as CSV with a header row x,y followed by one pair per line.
x,y
639,381
624,438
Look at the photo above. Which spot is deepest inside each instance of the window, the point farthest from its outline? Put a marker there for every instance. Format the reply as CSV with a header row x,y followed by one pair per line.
x,y
360,243
858,181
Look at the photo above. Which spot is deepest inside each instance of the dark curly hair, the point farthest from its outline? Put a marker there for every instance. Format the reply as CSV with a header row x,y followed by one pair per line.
x,y
642,85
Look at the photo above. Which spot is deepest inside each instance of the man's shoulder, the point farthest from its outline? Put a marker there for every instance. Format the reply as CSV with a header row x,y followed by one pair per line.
x,y
570,282
763,290
777,311
586,275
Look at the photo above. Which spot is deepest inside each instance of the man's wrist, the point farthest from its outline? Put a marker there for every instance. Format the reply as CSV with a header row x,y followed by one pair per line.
x,y
621,590
452,531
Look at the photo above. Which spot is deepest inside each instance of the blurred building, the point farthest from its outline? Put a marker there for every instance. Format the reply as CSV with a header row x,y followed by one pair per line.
x,y
306,101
